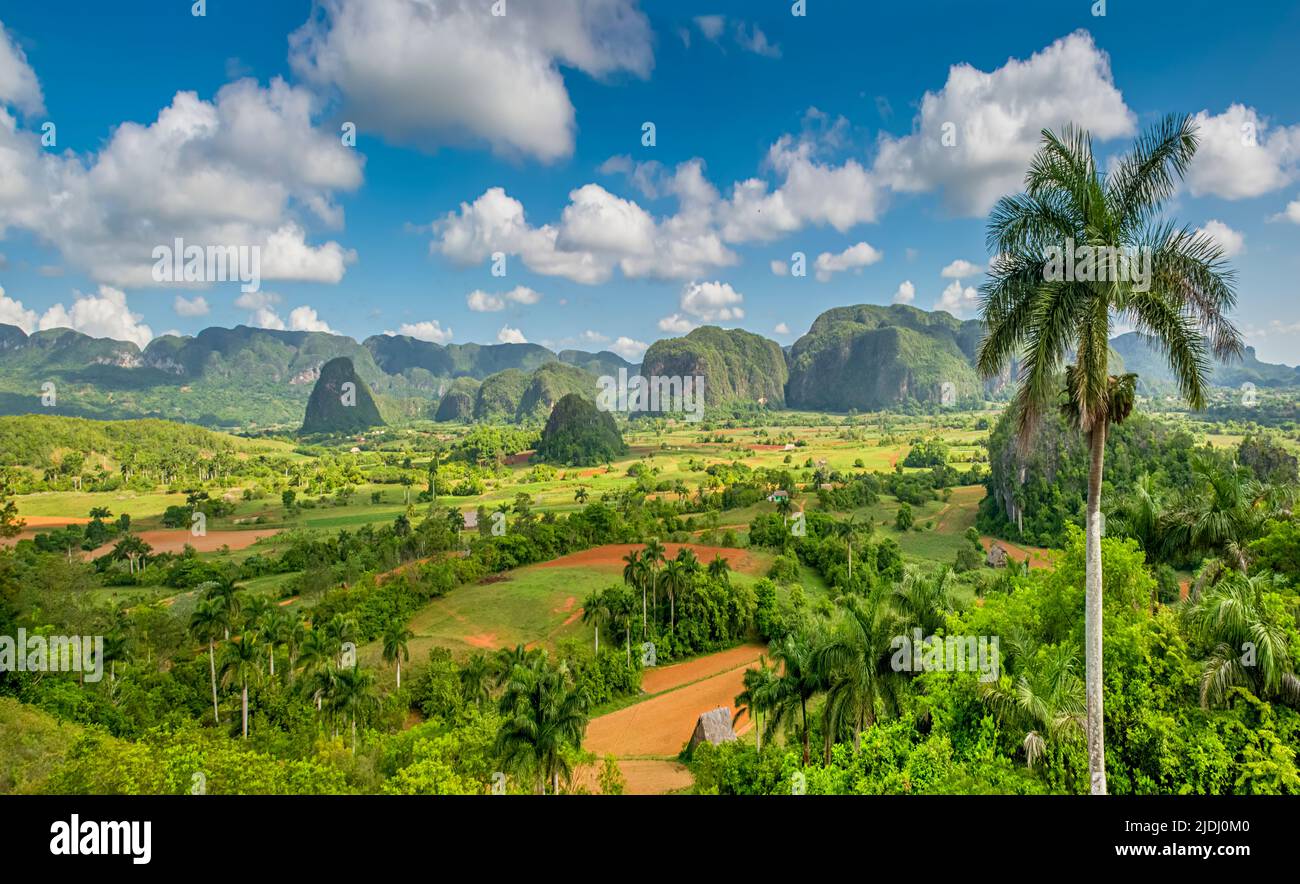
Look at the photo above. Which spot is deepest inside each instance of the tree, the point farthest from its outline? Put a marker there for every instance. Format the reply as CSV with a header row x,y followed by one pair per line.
x,y
206,623
395,640
720,569
798,682
1046,701
757,696
353,696
677,577
634,573
1247,638
654,555
476,679
1034,315
595,610
240,665
132,548
844,530
904,520
544,716
580,495
856,665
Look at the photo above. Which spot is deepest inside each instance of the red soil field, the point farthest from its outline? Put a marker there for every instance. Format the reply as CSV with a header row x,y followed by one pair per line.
x,y
611,556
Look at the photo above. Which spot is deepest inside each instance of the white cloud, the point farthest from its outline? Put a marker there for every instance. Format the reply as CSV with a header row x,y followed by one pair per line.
x,y
509,335
780,268
676,324
430,330
628,348
12,312
265,317
996,119
239,170
196,306
960,269
305,319
751,39
1231,241
781,329
853,258
960,302
481,302
256,300
906,293
102,315
18,84
712,302
1241,155
429,74
711,26
1291,212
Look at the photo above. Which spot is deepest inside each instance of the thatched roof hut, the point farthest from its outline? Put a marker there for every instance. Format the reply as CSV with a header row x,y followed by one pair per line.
x,y
714,726
997,557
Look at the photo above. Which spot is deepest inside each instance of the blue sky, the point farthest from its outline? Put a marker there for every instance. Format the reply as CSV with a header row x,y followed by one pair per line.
x,y
522,134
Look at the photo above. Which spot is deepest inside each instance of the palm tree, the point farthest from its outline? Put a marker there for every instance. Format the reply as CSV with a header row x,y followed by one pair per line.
x,y
395,639
580,495
634,573
756,698
1046,701
595,610
855,664
223,588
923,602
353,696
720,569
798,682
1249,648
654,556
1034,316
1224,511
677,577
543,716
476,678
845,531
206,623
240,664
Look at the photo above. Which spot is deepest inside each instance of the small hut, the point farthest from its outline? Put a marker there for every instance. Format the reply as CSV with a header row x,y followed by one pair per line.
x,y
997,557
714,726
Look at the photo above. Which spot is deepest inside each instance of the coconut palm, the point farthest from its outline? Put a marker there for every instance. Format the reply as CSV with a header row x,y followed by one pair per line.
x,y
206,624
1249,648
242,665
544,716
1034,316
396,638
720,569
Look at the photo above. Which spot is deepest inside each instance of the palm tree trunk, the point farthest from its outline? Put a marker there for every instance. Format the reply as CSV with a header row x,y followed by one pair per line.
x,y
597,639
1092,616
803,705
212,667
399,673
643,612
245,700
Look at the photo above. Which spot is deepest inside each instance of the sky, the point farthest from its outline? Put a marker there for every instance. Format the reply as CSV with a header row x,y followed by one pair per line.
x,y
598,174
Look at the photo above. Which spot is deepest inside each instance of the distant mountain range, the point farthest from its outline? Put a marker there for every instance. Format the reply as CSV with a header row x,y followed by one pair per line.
x,y
863,357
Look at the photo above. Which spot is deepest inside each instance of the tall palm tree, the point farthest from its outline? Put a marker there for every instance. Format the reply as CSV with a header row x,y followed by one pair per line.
x,y
223,588
1248,647
206,624
844,530
396,639
923,602
720,569
241,664
634,570
595,610
855,664
798,682
476,679
654,556
353,696
677,577
544,716
1034,316
757,696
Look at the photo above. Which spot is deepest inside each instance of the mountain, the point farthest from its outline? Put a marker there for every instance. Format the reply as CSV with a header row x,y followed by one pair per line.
x,y
340,401
602,364
579,434
1154,375
736,365
551,383
499,395
457,403
869,357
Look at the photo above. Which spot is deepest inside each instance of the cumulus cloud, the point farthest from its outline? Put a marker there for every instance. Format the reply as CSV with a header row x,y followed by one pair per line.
x,y
781,329
676,324
483,302
18,83
1291,212
1241,155
1232,242
196,306
102,315
243,169
629,349
428,74
853,258
712,302
995,119
509,335
960,269
962,302
906,293
780,268
306,319
430,330
12,312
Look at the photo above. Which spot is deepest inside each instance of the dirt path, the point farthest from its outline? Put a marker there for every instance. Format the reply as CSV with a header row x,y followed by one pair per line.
x,y
647,736
1037,556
